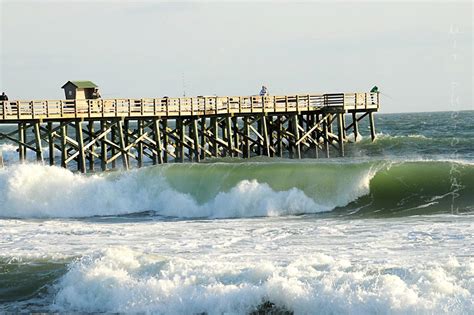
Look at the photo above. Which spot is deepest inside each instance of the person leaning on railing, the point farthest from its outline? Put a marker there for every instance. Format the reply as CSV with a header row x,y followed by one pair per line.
x,y
375,89
3,97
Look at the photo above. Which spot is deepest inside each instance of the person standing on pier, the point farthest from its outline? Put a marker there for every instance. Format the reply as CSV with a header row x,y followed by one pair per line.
x,y
3,97
264,91
375,89
96,94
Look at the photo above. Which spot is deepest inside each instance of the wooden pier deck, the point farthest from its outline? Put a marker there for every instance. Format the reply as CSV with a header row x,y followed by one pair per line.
x,y
89,133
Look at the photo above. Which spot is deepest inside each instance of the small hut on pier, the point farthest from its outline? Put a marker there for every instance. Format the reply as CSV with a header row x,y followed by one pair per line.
x,y
79,90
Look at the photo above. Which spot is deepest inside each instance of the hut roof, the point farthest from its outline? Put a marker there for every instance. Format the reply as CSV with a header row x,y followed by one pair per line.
x,y
81,84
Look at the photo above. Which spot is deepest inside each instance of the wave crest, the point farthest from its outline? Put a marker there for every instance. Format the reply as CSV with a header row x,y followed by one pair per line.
x,y
229,190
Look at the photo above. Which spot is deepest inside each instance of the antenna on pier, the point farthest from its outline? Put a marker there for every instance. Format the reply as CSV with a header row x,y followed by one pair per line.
x,y
184,86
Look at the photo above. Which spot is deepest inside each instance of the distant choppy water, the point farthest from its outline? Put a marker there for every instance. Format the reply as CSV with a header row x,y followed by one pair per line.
x,y
386,230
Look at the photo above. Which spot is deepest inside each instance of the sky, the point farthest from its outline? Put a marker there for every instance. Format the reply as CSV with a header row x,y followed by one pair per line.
x,y
419,54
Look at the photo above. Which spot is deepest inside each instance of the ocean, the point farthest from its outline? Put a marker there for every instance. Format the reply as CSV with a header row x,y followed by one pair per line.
x,y
388,229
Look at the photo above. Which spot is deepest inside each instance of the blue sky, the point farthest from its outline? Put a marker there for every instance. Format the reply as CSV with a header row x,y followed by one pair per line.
x,y
419,54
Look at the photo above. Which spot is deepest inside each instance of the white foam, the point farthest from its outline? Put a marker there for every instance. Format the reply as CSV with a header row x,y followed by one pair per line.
x,y
122,280
41,191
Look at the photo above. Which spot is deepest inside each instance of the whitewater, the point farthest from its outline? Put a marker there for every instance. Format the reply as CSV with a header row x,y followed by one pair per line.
x,y
386,230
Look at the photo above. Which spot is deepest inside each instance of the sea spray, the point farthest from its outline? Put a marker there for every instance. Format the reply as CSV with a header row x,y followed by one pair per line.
x,y
123,280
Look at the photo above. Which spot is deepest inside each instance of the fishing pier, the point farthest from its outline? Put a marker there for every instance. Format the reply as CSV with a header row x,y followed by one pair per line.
x,y
88,134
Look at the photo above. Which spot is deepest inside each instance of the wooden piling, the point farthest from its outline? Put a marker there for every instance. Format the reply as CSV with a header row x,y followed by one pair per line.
x,y
355,125
159,146
121,136
50,143
81,161
340,130
21,141
92,147
372,125
103,147
39,147
140,143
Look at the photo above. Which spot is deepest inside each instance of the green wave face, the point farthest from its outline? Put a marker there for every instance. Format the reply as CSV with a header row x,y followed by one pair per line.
x,y
331,184
418,188
379,188
21,280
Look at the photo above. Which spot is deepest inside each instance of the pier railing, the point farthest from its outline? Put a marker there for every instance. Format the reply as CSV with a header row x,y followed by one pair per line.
x,y
183,106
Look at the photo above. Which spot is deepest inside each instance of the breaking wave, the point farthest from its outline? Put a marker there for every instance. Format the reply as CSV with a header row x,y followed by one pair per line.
x,y
247,189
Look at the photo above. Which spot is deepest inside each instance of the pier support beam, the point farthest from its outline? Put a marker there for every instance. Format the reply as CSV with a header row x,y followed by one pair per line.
x,y
39,147
21,141
91,147
139,146
296,133
81,161
355,125
103,148
50,143
326,139
121,136
340,130
64,154
159,146
164,123
230,145
197,155
372,126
